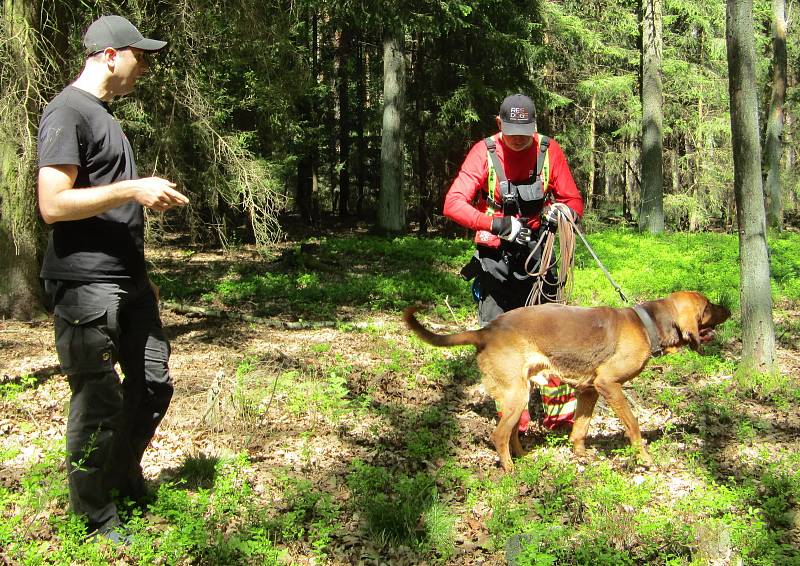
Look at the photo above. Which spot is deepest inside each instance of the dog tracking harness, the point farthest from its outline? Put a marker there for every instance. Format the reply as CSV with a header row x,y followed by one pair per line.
x,y
511,194
652,333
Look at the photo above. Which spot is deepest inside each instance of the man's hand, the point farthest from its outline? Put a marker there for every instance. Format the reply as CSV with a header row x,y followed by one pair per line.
x,y
60,201
550,215
507,227
158,194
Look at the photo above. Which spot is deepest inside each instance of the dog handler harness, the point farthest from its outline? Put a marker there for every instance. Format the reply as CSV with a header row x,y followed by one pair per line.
x,y
511,194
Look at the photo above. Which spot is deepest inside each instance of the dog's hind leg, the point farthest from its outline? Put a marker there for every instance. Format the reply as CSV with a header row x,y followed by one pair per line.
x,y
516,445
587,397
506,431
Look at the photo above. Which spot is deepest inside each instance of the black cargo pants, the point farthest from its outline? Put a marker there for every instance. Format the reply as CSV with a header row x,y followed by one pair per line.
x,y
111,421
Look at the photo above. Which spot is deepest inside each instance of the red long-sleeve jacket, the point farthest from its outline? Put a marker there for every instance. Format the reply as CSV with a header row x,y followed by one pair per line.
x,y
466,201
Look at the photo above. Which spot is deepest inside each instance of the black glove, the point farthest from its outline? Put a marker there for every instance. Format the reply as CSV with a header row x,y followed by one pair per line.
x,y
550,216
525,234
507,227
551,213
512,229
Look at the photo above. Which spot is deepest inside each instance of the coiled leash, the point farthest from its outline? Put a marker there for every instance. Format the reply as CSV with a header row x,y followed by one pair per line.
x,y
566,229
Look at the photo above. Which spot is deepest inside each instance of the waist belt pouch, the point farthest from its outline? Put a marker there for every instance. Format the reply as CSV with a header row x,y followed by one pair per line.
x,y
472,269
82,339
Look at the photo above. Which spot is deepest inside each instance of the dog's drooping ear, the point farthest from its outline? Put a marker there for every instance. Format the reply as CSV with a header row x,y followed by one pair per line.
x,y
696,318
689,313
693,340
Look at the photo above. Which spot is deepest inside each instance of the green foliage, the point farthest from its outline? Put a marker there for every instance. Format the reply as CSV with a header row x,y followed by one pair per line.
x,y
402,509
378,274
307,513
649,267
11,389
601,516
320,392
221,524
771,387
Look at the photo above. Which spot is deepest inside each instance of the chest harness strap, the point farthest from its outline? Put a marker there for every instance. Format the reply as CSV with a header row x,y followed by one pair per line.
x,y
509,192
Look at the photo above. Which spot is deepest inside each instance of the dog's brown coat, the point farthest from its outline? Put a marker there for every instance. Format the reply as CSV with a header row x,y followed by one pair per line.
x,y
596,350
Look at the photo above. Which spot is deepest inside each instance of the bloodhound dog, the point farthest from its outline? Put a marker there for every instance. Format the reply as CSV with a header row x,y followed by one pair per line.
x,y
596,350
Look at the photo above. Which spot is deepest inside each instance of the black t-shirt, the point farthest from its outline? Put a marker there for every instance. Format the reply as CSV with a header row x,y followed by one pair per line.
x,y
78,128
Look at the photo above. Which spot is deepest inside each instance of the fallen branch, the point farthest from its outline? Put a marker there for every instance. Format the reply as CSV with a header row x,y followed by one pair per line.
x,y
39,375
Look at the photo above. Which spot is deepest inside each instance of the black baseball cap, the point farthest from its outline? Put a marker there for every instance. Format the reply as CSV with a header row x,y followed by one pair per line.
x,y
117,32
518,116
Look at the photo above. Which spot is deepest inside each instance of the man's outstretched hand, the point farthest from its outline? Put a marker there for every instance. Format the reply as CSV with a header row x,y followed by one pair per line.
x,y
159,194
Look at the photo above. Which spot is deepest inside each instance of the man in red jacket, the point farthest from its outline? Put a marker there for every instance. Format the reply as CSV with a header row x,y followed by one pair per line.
x,y
503,191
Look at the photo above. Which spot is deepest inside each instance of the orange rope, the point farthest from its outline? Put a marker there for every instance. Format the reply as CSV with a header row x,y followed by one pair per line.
x,y
566,240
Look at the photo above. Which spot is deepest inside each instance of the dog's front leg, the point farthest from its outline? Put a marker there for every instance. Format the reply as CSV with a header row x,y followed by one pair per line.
x,y
612,392
587,398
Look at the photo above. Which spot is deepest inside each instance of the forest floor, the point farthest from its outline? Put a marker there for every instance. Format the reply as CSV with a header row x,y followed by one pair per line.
x,y
319,442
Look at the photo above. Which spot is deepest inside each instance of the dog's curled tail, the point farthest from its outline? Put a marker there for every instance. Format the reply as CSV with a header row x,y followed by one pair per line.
x,y
469,338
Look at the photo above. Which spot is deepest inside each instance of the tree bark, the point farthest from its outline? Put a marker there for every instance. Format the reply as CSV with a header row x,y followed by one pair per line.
x,y
20,229
758,334
391,206
344,121
425,207
307,179
773,146
361,104
651,212
592,201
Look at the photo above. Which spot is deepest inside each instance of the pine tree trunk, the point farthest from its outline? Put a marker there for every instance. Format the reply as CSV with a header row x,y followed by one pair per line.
x,y
344,122
20,228
307,179
423,165
391,206
592,160
651,212
361,104
758,334
773,147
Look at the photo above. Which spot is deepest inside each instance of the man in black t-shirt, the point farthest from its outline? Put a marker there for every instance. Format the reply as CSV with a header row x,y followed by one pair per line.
x,y
106,308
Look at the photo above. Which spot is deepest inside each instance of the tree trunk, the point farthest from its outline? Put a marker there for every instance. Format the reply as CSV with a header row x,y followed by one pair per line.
x,y
391,206
344,122
20,230
307,180
651,212
775,120
361,104
425,207
758,334
592,201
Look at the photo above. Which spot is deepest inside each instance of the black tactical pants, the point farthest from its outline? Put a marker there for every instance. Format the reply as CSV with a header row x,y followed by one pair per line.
x,y
111,421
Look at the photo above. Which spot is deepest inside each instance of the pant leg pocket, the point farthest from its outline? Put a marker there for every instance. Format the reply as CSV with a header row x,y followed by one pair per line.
x,y
82,339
